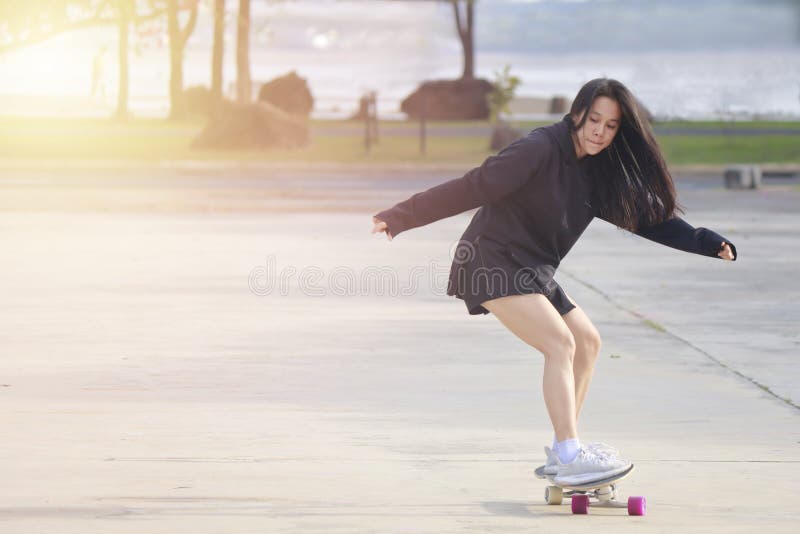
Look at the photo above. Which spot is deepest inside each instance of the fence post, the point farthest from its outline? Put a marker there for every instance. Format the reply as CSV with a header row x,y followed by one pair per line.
x,y
365,106
423,134
370,107
374,108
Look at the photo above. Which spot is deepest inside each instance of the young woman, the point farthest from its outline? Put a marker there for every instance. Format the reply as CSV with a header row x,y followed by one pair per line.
x,y
536,198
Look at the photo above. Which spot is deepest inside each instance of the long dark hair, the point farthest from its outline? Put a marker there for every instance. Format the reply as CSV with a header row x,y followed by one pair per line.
x,y
632,184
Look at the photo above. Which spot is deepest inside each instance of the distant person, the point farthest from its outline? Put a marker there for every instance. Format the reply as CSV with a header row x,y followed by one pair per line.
x,y
536,198
99,74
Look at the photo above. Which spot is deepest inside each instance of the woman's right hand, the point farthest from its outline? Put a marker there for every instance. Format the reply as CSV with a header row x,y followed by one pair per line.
x,y
379,227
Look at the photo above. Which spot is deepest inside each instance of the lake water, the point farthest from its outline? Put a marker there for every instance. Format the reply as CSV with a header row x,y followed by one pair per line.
x,y
683,59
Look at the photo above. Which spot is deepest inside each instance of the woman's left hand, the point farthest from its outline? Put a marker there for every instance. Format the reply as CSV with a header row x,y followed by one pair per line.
x,y
725,252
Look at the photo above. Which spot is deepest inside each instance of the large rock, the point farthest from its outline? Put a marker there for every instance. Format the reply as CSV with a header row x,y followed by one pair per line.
x,y
197,100
255,125
290,93
449,99
503,134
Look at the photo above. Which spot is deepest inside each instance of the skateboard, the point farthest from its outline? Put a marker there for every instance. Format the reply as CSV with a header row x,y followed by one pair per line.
x,y
602,493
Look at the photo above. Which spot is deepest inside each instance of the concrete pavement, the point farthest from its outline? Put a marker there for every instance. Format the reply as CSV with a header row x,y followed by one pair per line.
x,y
153,380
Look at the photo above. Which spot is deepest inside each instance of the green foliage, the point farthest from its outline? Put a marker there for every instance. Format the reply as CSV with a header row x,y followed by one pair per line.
x,y
22,19
33,21
724,150
140,140
504,86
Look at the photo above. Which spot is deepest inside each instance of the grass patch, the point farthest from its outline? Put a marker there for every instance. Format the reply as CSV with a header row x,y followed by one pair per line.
x,y
720,149
731,125
342,142
697,126
152,144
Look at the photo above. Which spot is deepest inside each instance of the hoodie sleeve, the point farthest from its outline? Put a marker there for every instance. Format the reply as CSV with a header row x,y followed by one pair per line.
x,y
679,234
498,176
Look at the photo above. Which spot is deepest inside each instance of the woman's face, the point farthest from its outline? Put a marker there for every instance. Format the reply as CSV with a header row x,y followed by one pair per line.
x,y
600,127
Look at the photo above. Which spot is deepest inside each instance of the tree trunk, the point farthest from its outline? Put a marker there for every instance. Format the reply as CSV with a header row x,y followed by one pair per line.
x,y
466,35
217,53
123,25
243,53
176,108
469,43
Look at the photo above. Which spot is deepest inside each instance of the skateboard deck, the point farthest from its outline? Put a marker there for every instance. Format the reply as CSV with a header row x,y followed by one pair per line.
x,y
584,487
602,493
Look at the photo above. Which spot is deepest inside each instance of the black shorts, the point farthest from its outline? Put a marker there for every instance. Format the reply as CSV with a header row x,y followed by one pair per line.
x,y
486,271
557,297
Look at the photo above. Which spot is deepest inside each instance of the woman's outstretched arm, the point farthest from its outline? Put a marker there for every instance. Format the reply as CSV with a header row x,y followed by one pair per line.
x,y
679,234
498,176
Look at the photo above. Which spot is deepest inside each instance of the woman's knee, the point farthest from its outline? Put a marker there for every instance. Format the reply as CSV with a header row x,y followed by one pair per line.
x,y
536,322
561,347
589,342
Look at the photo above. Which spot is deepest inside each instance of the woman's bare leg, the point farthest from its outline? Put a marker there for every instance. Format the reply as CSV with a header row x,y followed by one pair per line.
x,y
587,349
534,320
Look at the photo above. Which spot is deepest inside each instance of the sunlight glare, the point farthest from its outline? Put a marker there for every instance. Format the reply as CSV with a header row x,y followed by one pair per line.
x,y
56,67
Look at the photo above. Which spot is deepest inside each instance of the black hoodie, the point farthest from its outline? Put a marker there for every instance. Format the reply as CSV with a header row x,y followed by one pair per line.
x,y
535,201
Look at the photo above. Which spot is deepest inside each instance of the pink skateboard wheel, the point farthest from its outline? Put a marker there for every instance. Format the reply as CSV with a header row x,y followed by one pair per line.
x,y
580,504
637,506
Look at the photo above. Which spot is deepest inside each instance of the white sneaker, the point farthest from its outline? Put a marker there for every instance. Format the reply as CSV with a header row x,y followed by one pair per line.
x,y
603,449
589,466
551,465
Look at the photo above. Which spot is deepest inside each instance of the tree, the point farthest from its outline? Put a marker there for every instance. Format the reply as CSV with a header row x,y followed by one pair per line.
x,y
464,13
217,52
36,21
243,81
177,43
505,84
126,10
